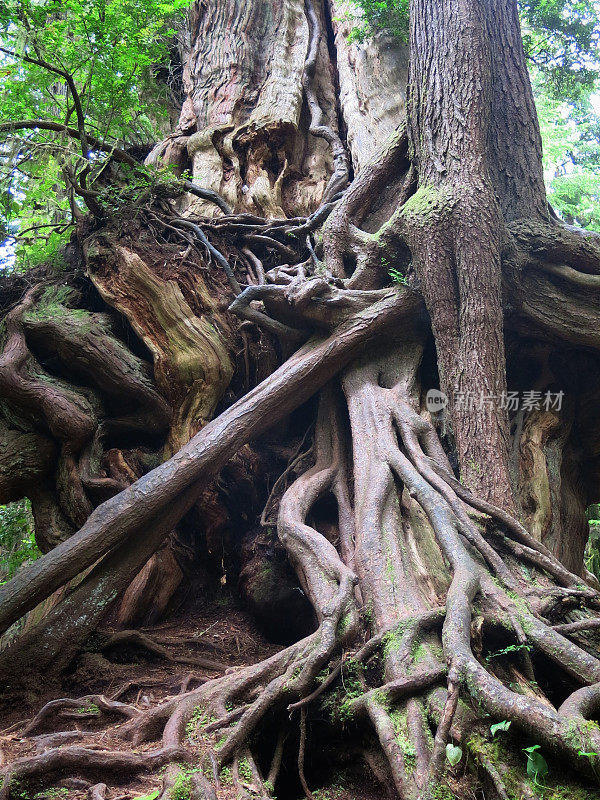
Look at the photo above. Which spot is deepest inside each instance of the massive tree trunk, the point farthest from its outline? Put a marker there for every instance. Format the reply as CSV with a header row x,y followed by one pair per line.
x,y
466,191
363,240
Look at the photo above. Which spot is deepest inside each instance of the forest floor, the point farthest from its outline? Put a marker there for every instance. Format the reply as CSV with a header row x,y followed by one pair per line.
x,y
130,673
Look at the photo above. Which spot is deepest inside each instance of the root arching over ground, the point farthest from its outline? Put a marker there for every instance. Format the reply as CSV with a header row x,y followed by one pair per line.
x,y
435,612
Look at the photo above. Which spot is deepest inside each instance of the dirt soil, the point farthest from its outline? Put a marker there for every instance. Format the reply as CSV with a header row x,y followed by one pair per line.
x,y
128,672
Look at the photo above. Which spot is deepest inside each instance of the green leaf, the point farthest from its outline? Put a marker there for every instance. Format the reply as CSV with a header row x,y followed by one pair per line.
x,y
17,537
152,796
453,754
536,763
500,726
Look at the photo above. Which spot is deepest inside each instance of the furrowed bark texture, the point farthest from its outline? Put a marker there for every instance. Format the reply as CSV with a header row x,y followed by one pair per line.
x,y
243,122
468,177
376,68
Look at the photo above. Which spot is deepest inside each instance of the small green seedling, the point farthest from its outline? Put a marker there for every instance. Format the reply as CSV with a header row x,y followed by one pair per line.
x,y
512,648
500,726
453,754
398,277
536,763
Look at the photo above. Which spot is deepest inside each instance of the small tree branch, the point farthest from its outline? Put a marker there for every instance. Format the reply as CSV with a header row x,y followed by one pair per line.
x,y
45,125
395,690
63,73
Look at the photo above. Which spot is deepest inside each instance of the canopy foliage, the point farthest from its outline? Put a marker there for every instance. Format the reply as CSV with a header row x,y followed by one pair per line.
x,y
85,64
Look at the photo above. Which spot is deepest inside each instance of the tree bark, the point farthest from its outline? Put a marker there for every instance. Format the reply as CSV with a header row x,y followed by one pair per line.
x,y
466,192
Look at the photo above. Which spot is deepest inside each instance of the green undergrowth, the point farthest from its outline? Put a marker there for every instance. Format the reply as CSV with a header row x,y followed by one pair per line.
x,y
338,702
182,786
199,720
245,770
17,539
92,708
398,277
52,793
508,750
329,793
352,688
443,792
226,776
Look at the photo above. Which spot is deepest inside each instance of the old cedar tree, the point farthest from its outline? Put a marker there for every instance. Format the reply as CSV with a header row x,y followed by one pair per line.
x,y
376,221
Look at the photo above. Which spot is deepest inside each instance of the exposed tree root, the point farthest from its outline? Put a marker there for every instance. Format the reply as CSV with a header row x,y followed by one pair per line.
x,y
82,761
310,367
89,705
381,394
141,640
